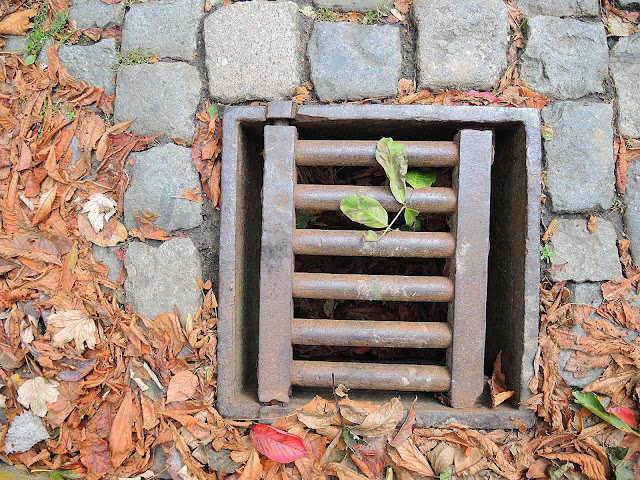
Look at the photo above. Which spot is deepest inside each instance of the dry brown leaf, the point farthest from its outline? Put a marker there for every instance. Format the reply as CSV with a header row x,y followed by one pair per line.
x,y
620,154
191,194
342,472
146,229
18,22
75,325
497,384
406,86
253,468
35,393
120,441
592,223
182,386
382,421
317,414
550,229
408,456
44,207
441,457
590,466
407,427
113,233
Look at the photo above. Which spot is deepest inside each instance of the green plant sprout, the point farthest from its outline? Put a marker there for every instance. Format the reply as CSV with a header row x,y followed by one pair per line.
x,y
133,57
327,14
392,156
38,35
545,253
376,15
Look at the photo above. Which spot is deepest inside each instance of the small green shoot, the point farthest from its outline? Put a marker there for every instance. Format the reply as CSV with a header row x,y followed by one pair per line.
x,y
376,15
304,218
213,110
446,473
392,156
545,253
133,57
592,403
547,132
326,14
617,205
40,33
621,470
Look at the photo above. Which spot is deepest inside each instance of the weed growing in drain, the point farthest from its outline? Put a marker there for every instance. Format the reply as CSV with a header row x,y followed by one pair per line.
x,y
392,156
327,14
545,253
133,57
617,205
376,15
38,35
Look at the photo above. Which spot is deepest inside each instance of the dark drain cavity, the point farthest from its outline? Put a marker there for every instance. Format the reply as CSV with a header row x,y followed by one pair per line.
x,y
421,312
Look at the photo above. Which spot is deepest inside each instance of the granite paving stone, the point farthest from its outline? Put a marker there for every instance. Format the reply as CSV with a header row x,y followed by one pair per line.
x,y
587,257
169,28
253,51
560,8
624,64
92,63
14,44
579,157
162,97
157,176
108,257
461,44
564,58
632,209
95,13
351,61
362,6
160,277
634,4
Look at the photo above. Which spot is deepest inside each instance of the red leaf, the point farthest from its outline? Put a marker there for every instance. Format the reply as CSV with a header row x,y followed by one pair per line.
x,y
485,95
624,414
279,446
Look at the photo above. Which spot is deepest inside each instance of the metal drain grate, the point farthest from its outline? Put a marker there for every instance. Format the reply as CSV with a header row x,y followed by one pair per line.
x,y
470,154
491,291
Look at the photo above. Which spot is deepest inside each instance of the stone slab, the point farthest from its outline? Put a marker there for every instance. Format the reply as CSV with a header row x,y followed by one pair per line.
x,y
169,28
564,58
461,44
362,6
351,61
15,44
632,209
587,257
92,63
253,51
579,157
631,4
560,8
160,277
624,64
162,97
157,175
107,256
95,13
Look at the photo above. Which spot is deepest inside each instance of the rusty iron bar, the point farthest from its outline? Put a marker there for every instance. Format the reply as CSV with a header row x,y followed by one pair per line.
x,y
330,153
367,376
393,244
328,197
469,270
372,287
276,264
370,333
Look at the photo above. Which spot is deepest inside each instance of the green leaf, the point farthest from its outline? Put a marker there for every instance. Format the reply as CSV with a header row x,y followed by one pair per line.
x,y
350,438
30,60
419,178
592,403
621,470
304,218
369,236
555,473
392,156
446,473
213,110
617,454
410,216
365,210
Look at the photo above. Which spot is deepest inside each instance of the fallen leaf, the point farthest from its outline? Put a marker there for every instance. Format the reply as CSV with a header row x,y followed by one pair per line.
x,y
547,132
592,223
625,414
192,194
550,229
18,22
99,209
372,454
44,207
317,414
94,454
113,233
120,441
407,427
497,384
441,457
406,86
36,392
276,444
408,456
342,472
486,95
182,386
253,468
76,325
590,466
146,229
620,154
382,421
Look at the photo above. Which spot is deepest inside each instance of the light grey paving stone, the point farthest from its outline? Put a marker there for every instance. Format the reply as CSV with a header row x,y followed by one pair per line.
x,y
354,5
560,8
168,27
587,257
351,61
43,58
461,44
24,432
92,63
253,51
632,209
157,175
632,4
162,97
160,277
107,256
625,69
579,157
564,58
95,13
15,44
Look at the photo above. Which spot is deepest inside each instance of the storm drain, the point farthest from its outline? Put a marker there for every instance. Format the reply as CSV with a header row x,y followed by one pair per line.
x,y
486,281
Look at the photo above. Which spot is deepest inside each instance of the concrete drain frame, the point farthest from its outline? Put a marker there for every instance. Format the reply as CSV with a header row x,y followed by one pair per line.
x,y
495,154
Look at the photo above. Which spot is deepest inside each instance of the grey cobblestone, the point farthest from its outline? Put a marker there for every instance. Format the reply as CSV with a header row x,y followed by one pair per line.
x,y
625,70
14,44
253,51
579,158
461,44
560,8
92,63
632,210
352,62
107,256
565,58
354,5
162,97
587,257
169,28
95,13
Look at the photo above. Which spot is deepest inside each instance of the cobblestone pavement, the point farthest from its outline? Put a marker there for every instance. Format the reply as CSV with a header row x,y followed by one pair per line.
x,y
262,50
